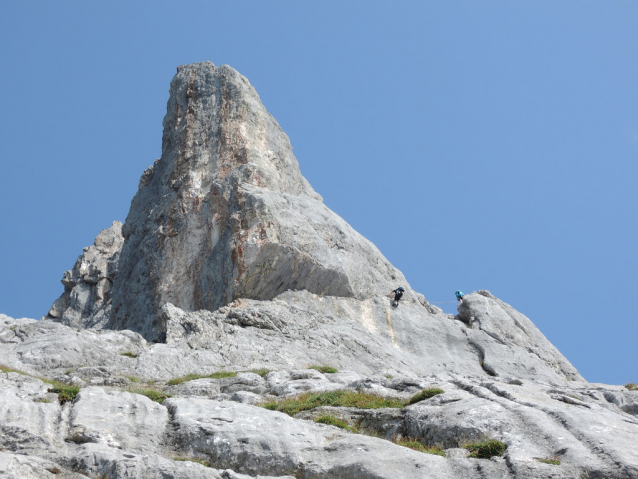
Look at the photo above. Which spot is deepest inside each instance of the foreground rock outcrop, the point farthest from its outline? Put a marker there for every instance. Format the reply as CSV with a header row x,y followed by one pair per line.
x,y
214,428
232,285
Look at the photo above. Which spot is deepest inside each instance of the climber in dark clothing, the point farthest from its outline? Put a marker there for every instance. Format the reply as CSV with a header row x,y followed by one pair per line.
x,y
398,293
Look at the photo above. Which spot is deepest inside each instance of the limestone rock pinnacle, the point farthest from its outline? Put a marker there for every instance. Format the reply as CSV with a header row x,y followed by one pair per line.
x,y
225,213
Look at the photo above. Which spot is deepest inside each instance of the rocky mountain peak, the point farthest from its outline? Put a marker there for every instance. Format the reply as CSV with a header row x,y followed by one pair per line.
x,y
232,290
225,213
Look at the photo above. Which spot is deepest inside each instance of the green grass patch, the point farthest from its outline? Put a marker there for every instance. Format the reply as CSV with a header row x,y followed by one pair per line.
x,y
133,379
261,371
65,393
324,369
425,394
7,369
486,449
41,400
191,377
549,460
631,386
306,401
152,394
129,354
334,421
419,446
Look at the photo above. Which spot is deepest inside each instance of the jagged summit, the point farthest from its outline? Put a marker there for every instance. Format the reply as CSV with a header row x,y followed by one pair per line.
x,y
225,213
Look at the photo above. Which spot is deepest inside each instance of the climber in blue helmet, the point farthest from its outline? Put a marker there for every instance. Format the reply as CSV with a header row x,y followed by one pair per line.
x,y
398,293
459,295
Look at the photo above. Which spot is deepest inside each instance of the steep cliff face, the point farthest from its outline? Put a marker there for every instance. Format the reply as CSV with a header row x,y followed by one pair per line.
x,y
225,213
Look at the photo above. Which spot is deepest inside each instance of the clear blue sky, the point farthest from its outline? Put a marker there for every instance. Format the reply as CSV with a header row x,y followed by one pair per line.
x,y
480,145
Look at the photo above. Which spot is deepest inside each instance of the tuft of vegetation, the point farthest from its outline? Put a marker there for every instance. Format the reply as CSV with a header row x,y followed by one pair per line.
x,y
152,394
192,459
41,400
631,386
389,376
261,371
425,394
65,393
68,371
191,377
549,460
306,401
7,369
334,421
486,448
133,379
419,446
324,369
129,354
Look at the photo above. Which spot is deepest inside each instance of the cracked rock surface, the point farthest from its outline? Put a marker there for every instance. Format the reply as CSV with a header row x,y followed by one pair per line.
x,y
214,427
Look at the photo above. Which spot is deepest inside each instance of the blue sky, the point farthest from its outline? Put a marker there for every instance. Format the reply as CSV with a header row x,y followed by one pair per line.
x,y
480,145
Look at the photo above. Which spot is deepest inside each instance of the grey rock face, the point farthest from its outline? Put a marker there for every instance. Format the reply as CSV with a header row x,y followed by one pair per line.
x,y
226,214
88,287
510,329
111,431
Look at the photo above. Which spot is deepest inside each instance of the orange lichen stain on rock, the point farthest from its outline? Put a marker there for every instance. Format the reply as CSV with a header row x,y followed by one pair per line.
x,y
170,229
237,257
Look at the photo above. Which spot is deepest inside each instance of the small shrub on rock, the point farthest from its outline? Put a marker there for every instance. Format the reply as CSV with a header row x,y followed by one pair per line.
x,y
631,386
261,371
486,449
65,393
419,446
128,354
425,394
324,369
306,401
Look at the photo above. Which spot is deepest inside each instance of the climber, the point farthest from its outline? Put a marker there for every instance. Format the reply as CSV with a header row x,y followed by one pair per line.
x,y
398,293
459,295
